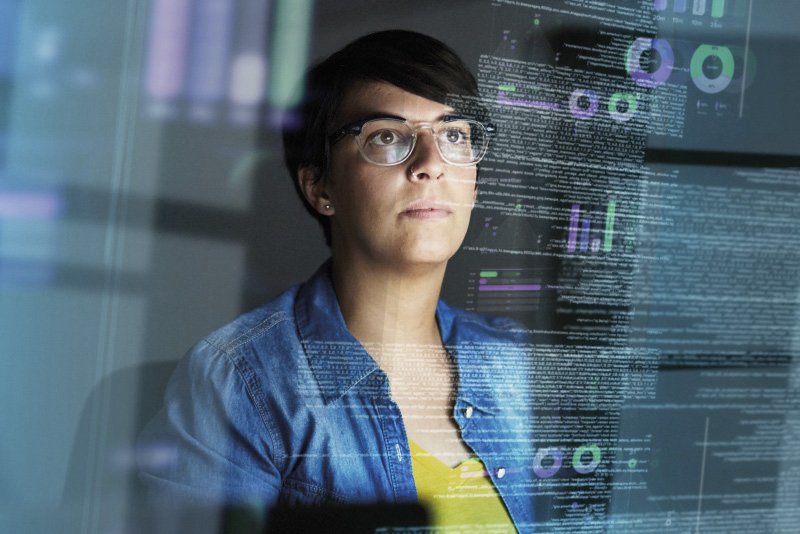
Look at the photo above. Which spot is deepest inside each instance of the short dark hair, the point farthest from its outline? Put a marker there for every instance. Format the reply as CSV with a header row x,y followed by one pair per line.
x,y
409,60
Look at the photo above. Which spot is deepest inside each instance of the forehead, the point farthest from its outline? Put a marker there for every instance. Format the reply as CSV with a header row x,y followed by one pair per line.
x,y
364,99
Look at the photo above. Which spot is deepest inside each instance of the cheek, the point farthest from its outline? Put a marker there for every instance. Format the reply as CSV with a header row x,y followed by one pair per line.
x,y
343,179
361,193
467,190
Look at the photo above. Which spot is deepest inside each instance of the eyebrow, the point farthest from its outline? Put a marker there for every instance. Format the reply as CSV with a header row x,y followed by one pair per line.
x,y
379,115
337,134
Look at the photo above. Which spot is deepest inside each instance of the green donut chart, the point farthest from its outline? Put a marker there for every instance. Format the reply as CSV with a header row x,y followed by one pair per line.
x,y
626,111
723,79
577,458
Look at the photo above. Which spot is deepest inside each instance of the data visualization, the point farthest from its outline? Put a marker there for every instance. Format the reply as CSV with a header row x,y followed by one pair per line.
x,y
638,214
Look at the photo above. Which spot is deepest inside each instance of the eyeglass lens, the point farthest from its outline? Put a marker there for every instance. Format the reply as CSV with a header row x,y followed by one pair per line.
x,y
390,141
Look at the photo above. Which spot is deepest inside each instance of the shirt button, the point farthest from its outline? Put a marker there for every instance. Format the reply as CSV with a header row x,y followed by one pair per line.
x,y
468,412
501,472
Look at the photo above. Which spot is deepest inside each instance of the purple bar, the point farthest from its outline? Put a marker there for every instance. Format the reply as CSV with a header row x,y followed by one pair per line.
x,y
660,5
679,6
208,65
29,205
573,227
166,57
510,287
585,235
538,104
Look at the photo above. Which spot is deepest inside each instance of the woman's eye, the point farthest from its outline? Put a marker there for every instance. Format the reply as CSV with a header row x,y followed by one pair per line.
x,y
455,135
386,137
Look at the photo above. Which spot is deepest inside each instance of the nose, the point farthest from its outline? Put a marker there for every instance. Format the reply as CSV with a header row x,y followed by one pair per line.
x,y
426,161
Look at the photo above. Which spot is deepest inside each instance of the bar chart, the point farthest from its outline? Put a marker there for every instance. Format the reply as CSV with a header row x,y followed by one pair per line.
x,y
505,290
585,233
212,59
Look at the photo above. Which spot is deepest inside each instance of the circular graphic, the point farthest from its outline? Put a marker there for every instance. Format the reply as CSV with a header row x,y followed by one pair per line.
x,y
541,454
622,106
577,458
583,103
712,68
656,52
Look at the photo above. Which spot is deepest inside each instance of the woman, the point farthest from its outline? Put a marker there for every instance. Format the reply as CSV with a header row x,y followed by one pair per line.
x,y
361,385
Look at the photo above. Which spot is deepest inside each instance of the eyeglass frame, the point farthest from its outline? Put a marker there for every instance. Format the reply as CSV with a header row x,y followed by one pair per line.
x,y
354,128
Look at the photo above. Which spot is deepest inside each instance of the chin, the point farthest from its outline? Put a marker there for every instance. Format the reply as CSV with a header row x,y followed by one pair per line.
x,y
427,253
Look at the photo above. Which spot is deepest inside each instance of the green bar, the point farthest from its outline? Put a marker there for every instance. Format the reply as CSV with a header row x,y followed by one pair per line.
x,y
609,232
488,274
289,52
507,87
717,8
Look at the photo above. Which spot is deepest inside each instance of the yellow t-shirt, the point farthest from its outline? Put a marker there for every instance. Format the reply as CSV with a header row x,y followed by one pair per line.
x,y
461,498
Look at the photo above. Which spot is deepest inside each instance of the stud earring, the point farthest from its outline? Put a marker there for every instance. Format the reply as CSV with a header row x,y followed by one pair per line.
x,y
327,206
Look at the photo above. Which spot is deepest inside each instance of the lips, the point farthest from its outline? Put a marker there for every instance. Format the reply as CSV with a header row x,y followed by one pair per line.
x,y
427,209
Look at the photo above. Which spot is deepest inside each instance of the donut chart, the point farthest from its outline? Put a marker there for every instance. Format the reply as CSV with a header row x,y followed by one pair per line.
x,y
541,454
577,461
622,106
712,68
633,62
583,103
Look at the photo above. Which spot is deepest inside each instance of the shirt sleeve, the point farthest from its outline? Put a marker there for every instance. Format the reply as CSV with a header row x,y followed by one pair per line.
x,y
209,444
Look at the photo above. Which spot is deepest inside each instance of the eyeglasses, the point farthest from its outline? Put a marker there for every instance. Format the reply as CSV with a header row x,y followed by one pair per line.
x,y
391,140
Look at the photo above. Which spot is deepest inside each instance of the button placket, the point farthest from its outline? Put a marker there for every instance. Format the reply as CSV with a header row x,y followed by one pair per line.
x,y
394,435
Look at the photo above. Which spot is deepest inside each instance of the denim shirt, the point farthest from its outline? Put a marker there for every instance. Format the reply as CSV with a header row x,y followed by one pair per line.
x,y
284,406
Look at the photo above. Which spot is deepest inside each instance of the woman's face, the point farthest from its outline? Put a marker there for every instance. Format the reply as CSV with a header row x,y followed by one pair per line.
x,y
387,214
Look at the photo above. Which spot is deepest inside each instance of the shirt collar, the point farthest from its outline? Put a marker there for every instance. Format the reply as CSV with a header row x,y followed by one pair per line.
x,y
336,358
339,362
466,344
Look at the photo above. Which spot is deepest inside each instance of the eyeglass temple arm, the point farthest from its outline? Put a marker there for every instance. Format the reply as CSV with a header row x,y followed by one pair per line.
x,y
337,136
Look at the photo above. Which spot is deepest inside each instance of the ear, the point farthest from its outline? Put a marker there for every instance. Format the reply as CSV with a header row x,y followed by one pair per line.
x,y
315,189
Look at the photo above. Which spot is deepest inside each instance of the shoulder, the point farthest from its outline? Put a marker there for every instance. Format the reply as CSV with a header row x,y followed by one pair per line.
x,y
275,315
221,384
229,362
258,356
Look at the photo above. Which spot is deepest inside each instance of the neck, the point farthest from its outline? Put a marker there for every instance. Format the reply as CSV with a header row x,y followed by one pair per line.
x,y
385,305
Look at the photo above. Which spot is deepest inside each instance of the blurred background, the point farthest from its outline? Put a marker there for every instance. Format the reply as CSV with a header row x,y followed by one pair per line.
x,y
638,214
